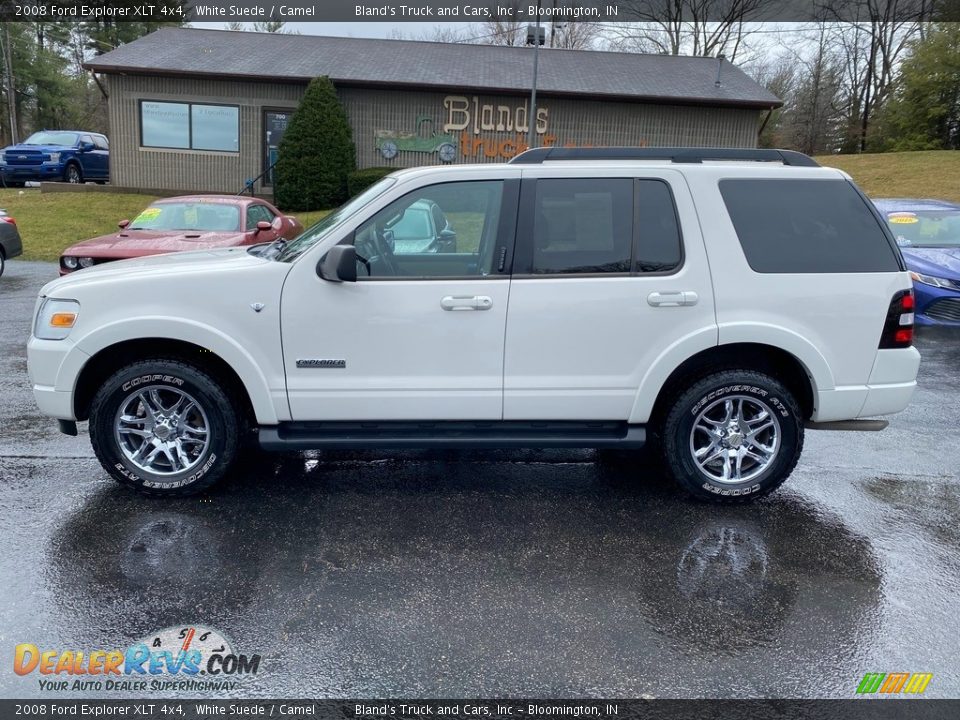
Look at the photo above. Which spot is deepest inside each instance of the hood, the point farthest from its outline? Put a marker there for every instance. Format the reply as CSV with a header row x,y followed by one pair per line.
x,y
37,148
145,268
136,243
939,262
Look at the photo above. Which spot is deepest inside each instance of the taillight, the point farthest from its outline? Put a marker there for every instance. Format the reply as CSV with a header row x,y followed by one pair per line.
x,y
7,218
898,327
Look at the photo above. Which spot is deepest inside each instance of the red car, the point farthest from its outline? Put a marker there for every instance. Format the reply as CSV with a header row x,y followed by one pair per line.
x,y
190,222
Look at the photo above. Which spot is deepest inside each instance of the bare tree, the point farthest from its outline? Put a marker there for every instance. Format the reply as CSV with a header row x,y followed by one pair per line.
x,y
505,29
572,35
688,27
873,40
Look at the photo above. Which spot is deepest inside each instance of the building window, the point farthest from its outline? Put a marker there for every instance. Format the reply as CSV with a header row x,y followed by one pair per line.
x,y
189,126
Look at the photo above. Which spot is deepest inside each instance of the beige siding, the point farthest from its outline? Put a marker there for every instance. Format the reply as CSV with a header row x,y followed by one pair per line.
x,y
190,170
569,121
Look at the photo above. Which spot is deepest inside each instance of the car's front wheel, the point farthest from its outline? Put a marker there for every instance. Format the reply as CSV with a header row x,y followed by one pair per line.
x,y
72,174
732,436
3,262
164,427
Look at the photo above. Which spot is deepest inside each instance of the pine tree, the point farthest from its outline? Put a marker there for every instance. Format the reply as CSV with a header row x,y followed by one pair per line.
x,y
316,153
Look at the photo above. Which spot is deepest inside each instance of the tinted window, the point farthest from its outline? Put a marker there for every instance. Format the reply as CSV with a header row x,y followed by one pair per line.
x,y
258,213
402,240
215,127
583,225
658,244
165,124
806,226
190,126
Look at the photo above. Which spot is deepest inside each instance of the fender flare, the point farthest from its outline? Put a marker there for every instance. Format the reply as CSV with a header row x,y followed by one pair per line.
x,y
809,357
200,334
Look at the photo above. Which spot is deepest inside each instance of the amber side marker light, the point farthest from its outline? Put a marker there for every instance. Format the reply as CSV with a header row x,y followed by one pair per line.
x,y
63,319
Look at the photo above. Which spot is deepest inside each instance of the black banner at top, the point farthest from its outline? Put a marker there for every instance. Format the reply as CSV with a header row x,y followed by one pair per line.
x,y
480,709
525,11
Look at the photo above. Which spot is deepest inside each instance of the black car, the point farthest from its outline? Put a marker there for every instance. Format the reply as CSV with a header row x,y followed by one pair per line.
x,y
10,243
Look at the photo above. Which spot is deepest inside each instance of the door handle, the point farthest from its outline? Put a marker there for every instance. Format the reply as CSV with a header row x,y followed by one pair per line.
x,y
677,298
466,302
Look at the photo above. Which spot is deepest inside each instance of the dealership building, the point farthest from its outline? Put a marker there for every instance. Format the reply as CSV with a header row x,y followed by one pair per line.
x,y
204,110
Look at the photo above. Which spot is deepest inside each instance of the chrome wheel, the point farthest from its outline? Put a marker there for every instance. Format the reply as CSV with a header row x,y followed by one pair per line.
x,y
162,430
735,439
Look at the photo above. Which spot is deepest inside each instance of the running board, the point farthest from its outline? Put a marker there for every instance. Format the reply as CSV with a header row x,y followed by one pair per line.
x,y
398,435
858,425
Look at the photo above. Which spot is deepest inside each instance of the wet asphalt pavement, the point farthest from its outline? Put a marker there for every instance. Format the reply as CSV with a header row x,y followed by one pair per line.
x,y
495,574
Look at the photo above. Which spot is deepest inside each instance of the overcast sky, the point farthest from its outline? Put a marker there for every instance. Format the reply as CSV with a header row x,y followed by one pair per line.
x,y
351,29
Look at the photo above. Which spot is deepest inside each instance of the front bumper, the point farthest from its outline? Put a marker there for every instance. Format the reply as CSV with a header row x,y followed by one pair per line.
x,y
25,173
936,306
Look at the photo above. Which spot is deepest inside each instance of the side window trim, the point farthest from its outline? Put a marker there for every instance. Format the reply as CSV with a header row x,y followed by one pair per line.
x,y
504,240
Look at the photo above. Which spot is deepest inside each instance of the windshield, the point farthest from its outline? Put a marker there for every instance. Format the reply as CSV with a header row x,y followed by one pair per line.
x,y
209,217
52,138
926,228
296,248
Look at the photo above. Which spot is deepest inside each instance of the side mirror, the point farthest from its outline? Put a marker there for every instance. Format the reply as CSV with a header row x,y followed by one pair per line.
x,y
263,225
87,147
122,224
447,241
339,265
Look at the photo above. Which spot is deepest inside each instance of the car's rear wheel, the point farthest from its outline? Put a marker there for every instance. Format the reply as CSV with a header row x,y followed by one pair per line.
x,y
732,436
164,427
72,174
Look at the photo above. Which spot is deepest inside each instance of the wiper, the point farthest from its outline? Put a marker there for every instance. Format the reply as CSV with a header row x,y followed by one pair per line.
x,y
273,250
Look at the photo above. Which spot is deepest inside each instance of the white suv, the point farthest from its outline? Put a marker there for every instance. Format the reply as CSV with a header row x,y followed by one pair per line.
x,y
714,302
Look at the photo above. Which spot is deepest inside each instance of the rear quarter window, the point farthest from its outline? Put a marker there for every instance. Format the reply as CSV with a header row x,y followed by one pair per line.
x,y
807,226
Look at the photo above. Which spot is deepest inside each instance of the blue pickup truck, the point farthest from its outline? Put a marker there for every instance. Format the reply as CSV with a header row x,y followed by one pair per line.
x,y
72,156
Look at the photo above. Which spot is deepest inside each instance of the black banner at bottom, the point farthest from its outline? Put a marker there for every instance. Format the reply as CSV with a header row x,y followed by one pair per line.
x,y
859,709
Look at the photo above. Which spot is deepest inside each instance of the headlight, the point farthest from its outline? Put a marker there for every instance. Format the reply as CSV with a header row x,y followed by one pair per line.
x,y
934,281
53,158
56,318
71,263
86,262
3,160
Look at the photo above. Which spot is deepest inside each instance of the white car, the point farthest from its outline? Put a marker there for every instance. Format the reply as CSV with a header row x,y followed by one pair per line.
x,y
714,302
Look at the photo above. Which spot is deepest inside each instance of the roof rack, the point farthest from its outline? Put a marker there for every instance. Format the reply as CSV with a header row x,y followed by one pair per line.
x,y
536,156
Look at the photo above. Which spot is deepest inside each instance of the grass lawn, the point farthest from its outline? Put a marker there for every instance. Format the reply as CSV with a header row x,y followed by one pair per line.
x,y
929,174
50,222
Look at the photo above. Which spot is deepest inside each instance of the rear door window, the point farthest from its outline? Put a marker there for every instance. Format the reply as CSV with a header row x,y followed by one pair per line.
x,y
583,225
807,226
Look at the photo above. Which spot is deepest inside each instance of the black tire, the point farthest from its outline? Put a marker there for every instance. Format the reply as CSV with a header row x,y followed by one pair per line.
x,y
759,391
3,261
170,378
73,174
15,184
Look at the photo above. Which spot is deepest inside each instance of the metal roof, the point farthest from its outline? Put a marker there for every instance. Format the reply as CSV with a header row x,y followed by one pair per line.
x,y
486,68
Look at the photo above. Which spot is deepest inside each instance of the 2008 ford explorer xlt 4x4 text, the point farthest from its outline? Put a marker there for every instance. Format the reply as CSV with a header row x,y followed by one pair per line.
x,y
713,302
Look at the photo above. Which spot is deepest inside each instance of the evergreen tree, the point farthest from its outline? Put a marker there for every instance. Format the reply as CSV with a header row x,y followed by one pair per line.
x,y
924,113
316,153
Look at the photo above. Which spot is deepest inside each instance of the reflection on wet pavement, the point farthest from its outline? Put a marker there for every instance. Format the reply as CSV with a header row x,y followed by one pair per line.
x,y
455,574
